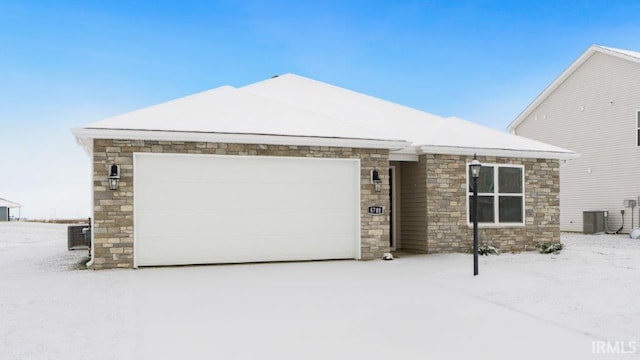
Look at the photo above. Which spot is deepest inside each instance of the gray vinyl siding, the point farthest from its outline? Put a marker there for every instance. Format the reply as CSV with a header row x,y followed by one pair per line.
x,y
413,195
594,112
4,214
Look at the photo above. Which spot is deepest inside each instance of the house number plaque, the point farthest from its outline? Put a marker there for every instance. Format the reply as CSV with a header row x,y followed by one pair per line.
x,y
376,210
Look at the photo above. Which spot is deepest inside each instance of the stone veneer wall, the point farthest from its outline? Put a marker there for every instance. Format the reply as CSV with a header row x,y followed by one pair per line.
x,y
447,229
113,210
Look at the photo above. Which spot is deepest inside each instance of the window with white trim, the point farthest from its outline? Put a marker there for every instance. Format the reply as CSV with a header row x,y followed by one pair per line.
x,y
638,127
500,194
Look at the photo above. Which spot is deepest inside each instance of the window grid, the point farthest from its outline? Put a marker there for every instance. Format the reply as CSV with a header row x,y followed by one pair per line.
x,y
496,194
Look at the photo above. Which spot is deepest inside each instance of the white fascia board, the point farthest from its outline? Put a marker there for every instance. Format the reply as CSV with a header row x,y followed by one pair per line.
x,y
85,143
622,54
9,204
403,157
452,150
406,154
84,137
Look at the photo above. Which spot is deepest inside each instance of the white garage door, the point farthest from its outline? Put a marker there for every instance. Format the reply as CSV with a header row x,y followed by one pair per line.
x,y
205,209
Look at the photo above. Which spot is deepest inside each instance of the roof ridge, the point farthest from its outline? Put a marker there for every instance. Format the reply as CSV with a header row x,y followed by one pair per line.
x,y
303,109
345,89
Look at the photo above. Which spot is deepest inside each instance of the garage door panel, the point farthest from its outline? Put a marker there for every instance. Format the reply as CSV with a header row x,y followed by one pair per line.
x,y
272,197
251,222
193,209
242,196
247,249
229,170
235,248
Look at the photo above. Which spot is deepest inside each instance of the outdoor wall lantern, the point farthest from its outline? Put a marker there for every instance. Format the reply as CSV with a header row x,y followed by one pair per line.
x,y
375,179
475,172
114,176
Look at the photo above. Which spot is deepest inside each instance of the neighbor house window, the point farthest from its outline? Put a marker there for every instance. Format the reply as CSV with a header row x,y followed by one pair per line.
x,y
500,194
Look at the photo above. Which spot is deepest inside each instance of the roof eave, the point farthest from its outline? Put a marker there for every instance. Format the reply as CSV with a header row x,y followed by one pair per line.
x,y
10,204
534,154
84,137
85,142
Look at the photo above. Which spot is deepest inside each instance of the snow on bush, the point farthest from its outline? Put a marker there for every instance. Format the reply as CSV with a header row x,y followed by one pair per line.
x,y
549,247
487,250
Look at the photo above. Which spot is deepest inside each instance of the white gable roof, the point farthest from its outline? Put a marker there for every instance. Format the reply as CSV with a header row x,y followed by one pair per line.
x,y
9,204
456,135
633,56
429,132
232,111
343,104
294,110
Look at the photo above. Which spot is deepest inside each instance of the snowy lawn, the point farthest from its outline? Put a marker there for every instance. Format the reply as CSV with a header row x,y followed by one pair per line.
x,y
522,306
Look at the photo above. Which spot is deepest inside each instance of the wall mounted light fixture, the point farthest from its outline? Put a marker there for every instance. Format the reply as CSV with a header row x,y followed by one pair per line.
x,y
114,176
375,179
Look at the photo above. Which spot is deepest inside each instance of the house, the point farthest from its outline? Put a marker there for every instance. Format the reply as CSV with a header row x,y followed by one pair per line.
x,y
295,169
5,209
593,108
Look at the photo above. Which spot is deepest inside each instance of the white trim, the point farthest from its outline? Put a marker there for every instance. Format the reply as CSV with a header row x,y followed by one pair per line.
x,y
496,196
85,143
9,204
564,76
400,150
85,135
359,209
135,210
93,215
394,207
452,150
496,226
404,157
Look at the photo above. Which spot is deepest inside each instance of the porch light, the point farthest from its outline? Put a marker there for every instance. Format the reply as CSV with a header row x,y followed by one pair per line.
x,y
114,176
475,173
475,167
375,179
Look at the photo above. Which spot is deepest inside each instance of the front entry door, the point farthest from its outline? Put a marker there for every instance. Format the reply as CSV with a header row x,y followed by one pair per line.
x,y
392,218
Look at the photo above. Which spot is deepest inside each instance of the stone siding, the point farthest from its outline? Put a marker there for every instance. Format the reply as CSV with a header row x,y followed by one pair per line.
x,y
447,228
113,210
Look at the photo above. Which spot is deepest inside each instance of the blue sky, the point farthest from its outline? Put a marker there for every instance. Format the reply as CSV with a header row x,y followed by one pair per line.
x,y
66,63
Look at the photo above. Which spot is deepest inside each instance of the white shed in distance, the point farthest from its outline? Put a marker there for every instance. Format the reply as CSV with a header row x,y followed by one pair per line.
x,y
5,206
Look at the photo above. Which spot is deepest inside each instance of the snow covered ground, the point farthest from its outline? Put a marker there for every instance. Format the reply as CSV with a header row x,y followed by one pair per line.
x,y
521,306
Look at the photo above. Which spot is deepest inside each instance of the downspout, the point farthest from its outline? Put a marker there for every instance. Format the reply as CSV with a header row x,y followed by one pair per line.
x,y
86,143
93,250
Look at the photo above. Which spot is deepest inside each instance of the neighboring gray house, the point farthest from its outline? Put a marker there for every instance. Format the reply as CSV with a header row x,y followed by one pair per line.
x,y
5,209
295,169
593,108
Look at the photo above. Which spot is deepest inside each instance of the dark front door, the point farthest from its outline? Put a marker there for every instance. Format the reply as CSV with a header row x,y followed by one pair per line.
x,y
391,237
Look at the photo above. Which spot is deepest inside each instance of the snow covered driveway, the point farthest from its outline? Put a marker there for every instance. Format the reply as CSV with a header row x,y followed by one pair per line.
x,y
524,306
